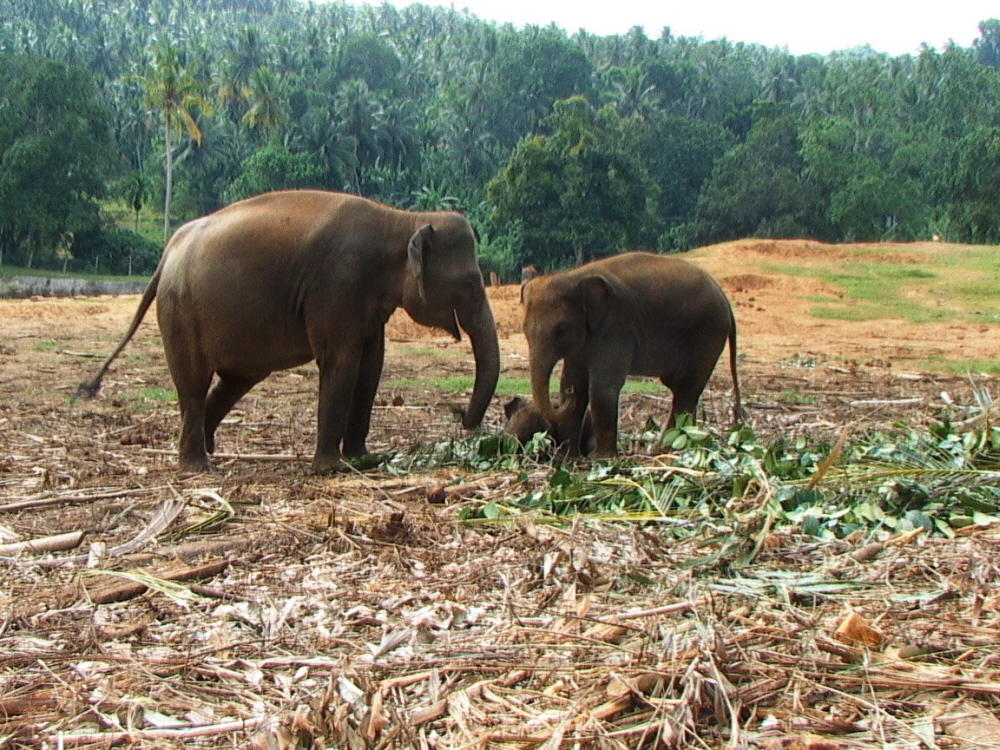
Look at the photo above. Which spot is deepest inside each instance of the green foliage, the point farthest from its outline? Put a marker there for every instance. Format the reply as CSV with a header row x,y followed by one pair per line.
x,y
578,193
679,154
371,58
530,73
975,187
113,250
759,188
685,141
940,480
55,156
275,167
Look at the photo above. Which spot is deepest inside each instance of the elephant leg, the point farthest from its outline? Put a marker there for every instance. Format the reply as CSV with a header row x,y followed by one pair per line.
x,y
338,375
604,414
567,434
191,391
588,443
686,394
360,416
227,390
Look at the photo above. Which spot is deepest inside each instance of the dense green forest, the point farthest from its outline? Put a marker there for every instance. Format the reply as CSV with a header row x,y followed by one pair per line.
x,y
559,147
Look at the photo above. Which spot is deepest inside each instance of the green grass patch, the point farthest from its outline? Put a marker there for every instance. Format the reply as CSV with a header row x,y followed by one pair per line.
x,y
455,384
45,345
792,397
163,395
47,273
918,286
859,311
151,397
414,351
450,384
961,366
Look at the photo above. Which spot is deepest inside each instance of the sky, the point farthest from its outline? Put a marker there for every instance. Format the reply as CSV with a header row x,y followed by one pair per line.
x,y
800,26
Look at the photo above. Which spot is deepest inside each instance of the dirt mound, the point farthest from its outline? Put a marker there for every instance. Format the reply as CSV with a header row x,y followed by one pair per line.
x,y
746,282
506,304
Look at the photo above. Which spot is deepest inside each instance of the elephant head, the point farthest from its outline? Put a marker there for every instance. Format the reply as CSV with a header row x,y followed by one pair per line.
x,y
523,420
560,312
444,289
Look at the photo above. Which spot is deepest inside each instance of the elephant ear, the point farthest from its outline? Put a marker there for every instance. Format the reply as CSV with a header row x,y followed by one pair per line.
x,y
525,290
596,292
513,406
419,244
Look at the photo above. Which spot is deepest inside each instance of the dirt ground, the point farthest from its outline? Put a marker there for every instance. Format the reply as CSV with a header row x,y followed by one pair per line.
x,y
797,371
320,571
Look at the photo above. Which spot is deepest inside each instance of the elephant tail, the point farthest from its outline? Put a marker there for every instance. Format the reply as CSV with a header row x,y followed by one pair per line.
x,y
89,388
738,413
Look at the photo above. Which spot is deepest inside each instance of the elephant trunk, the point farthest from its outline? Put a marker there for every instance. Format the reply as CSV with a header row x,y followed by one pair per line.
x,y
478,323
540,374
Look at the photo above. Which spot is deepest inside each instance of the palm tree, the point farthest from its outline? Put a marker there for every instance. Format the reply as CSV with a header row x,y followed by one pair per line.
x,y
172,89
244,57
266,99
359,110
398,133
317,133
632,93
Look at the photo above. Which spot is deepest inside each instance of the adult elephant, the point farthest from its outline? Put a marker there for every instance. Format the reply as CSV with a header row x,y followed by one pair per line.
x,y
275,281
630,314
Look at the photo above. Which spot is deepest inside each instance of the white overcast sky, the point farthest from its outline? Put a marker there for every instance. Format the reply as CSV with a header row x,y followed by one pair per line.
x,y
801,26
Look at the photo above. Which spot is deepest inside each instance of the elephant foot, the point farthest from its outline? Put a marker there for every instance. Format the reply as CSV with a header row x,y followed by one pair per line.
x,y
355,451
564,453
195,465
329,464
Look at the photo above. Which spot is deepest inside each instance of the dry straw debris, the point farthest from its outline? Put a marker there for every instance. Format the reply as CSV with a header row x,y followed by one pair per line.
x,y
361,612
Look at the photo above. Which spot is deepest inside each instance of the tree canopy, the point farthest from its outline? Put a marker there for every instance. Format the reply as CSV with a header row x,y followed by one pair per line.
x,y
55,157
579,192
560,147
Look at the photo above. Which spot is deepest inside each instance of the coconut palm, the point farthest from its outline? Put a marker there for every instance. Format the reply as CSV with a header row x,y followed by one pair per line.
x,y
172,90
266,99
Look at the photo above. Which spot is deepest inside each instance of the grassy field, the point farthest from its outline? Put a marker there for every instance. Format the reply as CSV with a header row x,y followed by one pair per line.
x,y
943,283
7,271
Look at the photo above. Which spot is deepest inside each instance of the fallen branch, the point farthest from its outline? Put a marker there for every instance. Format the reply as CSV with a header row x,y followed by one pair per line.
x,y
277,457
664,610
107,739
886,401
438,709
34,703
108,588
165,514
56,543
187,552
48,498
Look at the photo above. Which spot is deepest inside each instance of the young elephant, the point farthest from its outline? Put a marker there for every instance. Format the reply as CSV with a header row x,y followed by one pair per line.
x,y
524,421
630,314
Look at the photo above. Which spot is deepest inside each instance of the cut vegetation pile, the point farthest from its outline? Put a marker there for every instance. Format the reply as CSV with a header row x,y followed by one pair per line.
x,y
823,577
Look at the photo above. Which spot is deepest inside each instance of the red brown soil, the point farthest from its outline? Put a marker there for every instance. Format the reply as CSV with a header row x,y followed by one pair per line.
x,y
798,372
